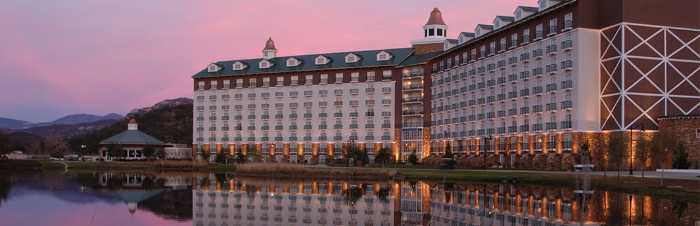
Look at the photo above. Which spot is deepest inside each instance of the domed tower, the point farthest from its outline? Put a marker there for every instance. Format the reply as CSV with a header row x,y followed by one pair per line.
x,y
434,34
269,51
435,27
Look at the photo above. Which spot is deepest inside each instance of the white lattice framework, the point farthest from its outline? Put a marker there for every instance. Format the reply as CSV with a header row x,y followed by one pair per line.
x,y
648,71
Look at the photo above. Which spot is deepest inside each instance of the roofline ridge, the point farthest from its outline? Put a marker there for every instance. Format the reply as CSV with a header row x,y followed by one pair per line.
x,y
312,54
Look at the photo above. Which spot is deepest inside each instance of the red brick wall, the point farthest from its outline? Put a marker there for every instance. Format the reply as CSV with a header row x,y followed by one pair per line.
x,y
685,129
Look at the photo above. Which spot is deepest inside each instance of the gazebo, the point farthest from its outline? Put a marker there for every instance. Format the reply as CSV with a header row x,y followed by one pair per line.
x,y
130,144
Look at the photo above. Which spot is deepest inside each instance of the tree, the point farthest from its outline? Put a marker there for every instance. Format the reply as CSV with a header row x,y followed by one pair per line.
x,y
220,157
600,157
4,144
206,155
642,152
658,147
616,150
680,158
361,157
240,158
413,158
383,156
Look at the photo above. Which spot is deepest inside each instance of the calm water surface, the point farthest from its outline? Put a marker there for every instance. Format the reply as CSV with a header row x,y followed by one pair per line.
x,y
111,198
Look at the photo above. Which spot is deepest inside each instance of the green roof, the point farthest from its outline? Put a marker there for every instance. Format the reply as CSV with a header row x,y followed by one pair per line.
x,y
368,58
133,137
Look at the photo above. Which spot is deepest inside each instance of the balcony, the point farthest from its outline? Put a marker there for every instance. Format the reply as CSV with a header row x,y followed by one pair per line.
x,y
537,127
537,108
567,84
566,124
566,104
567,45
513,129
551,125
524,92
524,110
551,87
512,111
551,106
537,90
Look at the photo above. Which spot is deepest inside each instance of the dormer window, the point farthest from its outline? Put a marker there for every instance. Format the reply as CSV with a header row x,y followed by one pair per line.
x,y
238,66
213,68
264,64
321,60
293,62
383,56
351,58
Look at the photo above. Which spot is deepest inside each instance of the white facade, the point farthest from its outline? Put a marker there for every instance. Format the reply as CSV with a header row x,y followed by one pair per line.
x,y
301,114
548,85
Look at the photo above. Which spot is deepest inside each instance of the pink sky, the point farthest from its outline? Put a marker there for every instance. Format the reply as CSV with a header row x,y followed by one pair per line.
x,y
82,56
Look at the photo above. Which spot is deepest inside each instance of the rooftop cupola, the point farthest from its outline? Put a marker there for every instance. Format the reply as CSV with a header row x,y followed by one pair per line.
x,y
133,125
436,26
269,51
434,34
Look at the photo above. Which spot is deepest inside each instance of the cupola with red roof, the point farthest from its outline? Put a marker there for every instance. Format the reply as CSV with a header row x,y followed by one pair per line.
x,y
269,51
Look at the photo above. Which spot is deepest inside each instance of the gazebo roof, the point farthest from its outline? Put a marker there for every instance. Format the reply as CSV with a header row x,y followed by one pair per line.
x,y
132,137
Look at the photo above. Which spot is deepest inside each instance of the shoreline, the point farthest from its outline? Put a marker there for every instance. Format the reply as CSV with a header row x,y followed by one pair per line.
x,y
673,188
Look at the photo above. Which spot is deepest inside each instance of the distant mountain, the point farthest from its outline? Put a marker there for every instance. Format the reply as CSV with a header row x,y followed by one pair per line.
x,y
75,119
85,118
9,123
171,103
69,130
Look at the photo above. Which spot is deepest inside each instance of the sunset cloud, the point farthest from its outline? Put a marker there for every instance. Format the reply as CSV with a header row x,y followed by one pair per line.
x,y
63,57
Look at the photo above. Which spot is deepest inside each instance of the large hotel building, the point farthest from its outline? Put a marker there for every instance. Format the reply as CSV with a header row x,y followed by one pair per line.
x,y
523,90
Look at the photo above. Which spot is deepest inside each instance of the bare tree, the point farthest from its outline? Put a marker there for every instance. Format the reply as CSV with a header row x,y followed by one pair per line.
x,y
642,152
56,146
616,150
598,147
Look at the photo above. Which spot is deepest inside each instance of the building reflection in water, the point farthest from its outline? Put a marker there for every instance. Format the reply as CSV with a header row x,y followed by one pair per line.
x,y
222,200
330,202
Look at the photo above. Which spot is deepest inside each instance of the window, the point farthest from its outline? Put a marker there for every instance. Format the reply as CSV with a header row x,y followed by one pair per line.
x,y
526,35
324,78
293,62
383,56
513,40
355,77
200,85
503,44
252,82
213,68
370,76
439,32
386,74
264,64
339,78
351,58
697,133
321,60
238,66
309,79
280,81
539,30
568,21
553,26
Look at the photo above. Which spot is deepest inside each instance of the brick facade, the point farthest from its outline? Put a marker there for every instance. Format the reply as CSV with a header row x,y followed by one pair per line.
x,y
687,130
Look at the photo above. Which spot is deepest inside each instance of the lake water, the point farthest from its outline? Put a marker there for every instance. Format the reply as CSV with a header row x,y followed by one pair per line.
x,y
112,198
